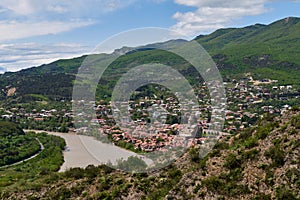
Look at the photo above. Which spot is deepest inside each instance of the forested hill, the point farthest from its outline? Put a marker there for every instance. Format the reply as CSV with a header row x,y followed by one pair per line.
x,y
268,51
10,129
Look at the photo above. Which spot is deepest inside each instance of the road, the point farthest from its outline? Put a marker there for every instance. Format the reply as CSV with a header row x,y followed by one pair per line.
x,y
31,157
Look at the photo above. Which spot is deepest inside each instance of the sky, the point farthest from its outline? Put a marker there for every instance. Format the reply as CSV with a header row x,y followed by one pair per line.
x,y
35,32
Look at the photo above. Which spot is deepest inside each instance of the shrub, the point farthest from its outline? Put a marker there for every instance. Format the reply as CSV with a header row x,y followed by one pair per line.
x,y
269,178
202,163
284,193
133,163
221,145
174,173
75,173
247,133
276,154
250,143
232,162
251,154
194,155
197,188
213,183
262,197
293,175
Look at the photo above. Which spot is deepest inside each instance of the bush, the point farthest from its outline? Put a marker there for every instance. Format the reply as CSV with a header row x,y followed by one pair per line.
x,y
232,162
247,133
262,197
197,188
174,173
269,178
251,154
250,143
296,122
75,173
221,145
213,184
194,155
293,175
276,154
133,163
284,193
202,163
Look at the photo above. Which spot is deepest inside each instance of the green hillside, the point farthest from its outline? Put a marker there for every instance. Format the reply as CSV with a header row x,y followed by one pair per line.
x,y
10,129
15,145
268,51
280,39
258,49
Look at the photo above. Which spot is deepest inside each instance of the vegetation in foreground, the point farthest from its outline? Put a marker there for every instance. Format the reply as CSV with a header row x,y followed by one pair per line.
x,y
35,171
257,163
15,145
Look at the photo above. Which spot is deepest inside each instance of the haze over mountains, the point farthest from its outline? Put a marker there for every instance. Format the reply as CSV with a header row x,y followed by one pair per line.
x,y
267,51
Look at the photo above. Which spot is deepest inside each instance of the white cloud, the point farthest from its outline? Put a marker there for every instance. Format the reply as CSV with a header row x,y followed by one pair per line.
x,y
77,7
14,57
19,7
10,30
28,18
214,14
57,9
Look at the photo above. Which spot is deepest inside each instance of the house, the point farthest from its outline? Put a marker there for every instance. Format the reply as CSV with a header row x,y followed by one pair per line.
x,y
289,87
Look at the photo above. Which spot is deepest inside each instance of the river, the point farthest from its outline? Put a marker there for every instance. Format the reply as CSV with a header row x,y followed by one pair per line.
x,y
82,151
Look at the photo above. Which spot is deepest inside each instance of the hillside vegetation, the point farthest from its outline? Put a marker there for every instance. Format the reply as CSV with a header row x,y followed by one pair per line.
x,y
34,170
261,162
15,145
268,51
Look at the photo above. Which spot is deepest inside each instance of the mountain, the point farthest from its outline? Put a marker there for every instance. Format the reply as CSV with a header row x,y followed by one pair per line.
x,y
53,80
267,51
261,162
165,45
274,37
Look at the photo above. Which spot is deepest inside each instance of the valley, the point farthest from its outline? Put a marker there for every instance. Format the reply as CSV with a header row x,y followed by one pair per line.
x,y
50,150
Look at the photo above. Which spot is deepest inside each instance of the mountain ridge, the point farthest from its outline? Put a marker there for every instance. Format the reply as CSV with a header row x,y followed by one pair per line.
x,y
235,51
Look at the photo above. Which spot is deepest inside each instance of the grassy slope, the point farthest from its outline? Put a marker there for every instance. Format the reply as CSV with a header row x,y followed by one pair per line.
x,y
280,40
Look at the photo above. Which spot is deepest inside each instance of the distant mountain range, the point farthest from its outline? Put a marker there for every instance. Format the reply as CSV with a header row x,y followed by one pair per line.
x,y
267,51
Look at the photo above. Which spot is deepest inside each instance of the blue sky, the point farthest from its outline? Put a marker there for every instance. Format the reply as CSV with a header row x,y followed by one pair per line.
x,y
33,32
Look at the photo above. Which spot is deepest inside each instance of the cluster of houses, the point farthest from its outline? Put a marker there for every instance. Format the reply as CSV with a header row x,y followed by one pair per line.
x,y
248,100
44,119
161,141
159,136
245,101
34,114
188,124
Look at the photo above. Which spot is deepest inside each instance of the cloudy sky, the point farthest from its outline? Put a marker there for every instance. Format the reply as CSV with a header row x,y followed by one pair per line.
x,y
33,32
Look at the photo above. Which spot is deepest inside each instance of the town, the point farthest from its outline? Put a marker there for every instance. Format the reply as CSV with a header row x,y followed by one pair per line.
x,y
247,101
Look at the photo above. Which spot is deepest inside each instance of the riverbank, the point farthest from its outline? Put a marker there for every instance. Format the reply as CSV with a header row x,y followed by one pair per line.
x,y
82,151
